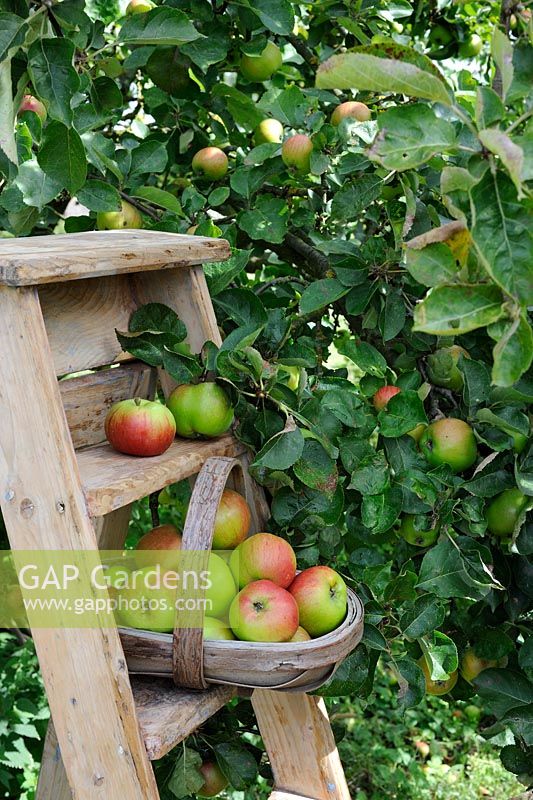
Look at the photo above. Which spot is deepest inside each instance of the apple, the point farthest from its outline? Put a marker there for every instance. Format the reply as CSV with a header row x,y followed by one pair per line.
x,y
140,427
232,521
222,589
31,103
146,602
422,747
301,635
413,536
261,67
437,687
200,409
472,665
321,597
417,431
449,441
383,395
211,162
127,217
443,370
217,629
503,512
139,6
350,110
214,779
296,153
264,612
264,556
158,546
471,46
473,713
440,35
268,130
519,441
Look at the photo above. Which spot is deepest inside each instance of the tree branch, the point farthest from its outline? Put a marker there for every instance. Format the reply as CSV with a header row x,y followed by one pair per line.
x,y
139,206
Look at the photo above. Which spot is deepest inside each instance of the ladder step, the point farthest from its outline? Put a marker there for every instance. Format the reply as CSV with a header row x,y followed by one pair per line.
x,y
167,715
112,480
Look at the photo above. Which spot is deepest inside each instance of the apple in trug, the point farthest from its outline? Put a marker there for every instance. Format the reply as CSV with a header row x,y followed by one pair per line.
x,y
139,6
158,546
140,427
232,521
262,66
503,512
147,602
301,635
200,409
443,370
296,153
350,110
211,162
268,130
264,612
217,629
449,441
127,217
214,779
472,665
437,687
30,103
222,587
383,395
264,556
321,597
423,538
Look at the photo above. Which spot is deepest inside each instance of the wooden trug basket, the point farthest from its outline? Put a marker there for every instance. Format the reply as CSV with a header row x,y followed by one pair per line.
x,y
195,663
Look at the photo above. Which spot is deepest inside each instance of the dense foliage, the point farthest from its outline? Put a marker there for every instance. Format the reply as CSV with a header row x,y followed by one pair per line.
x,y
398,236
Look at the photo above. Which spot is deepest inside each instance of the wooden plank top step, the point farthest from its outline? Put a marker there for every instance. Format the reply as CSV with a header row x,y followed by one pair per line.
x,y
111,480
67,257
167,715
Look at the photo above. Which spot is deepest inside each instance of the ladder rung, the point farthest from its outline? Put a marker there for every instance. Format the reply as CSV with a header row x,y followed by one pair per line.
x,y
90,255
167,715
112,480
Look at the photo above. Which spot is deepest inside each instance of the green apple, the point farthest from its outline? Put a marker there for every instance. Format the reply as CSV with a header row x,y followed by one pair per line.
x,y
472,665
222,589
211,162
437,687
321,597
261,67
200,409
423,538
443,370
417,431
268,130
449,441
127,217
147,601
139,6
350,110
214,780
296,153
471,46
473,713
217,629
503,512
301,635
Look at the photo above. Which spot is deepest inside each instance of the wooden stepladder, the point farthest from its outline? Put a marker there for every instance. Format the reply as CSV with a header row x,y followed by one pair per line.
x,y
62,488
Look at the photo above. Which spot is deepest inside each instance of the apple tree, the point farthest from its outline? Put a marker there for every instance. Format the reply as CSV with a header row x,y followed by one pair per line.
x,y
371,165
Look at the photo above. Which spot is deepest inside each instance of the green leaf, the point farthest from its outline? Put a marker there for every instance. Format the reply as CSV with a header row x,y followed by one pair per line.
x,y
349,677
276,15
157,318
516,760
440,653
489,107
186,777
355,197
476,381
412,683
242,306
502,53
502,689
62,156
220,273
503,235
237,763
307,507
267,220
379,512
510,154
50,64
205,52
320,294
99,196
432,265
513,353
443,573
371,475
163,26
384,68
12,33
158,197
281,451
37,187
402,413
149,156
409,136
315,468
368,359
452,310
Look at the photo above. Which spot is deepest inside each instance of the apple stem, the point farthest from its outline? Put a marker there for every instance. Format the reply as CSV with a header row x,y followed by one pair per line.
x,y
137,401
